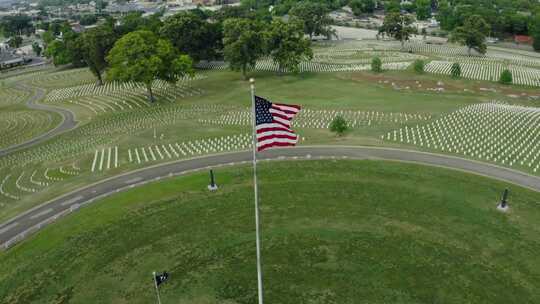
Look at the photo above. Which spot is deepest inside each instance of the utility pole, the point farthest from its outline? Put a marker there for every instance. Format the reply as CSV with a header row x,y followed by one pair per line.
x,y
402,30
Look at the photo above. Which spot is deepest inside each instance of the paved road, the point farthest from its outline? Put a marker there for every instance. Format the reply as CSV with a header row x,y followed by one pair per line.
x,y
68,120
32,220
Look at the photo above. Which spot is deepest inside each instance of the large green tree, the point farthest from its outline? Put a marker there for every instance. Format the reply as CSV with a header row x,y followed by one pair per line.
x,y
287,45
15,42
398,26
314,17
244,43
88,19
193,35
97,43
535,31
472,34
134,21
101,5
423,9
16,25
65,49
141,56
58,52
360,7
37,48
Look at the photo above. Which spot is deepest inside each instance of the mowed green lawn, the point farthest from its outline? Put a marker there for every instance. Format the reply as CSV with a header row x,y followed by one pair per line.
x,y
333,232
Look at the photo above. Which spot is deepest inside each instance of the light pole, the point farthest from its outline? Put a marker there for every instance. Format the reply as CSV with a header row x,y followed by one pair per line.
x,y
402,15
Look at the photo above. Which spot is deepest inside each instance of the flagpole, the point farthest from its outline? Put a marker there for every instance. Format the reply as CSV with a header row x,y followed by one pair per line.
x,y
157,288
256,194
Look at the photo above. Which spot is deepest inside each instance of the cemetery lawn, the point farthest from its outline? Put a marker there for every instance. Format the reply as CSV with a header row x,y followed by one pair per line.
x,y
359,92
333,232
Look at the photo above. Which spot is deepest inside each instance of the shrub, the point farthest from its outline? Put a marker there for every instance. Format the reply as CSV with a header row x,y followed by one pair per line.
x,y
506,77
419,66
456,71
536,43
376,65
338,125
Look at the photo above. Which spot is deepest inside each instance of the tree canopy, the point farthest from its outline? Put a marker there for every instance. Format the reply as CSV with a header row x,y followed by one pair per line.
x,y
314,17
287,45
15,42
193,35
244,43
66,49
535,31
472,34
423,9
360,7
141,56
504,17
17,25
97,43
398,26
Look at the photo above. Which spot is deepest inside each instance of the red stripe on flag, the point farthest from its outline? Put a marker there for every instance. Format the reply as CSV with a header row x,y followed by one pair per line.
x,y
283,124
286,105
281,116
272,136
263,130
285,110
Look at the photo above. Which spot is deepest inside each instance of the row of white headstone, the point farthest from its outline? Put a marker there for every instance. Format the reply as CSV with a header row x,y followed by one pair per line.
x,y
105,131
512,60
160,87
321,119
23,183
269,65
448,52
189,148
105,159
362,56
496,132
10,96
18,126
490,72
48,79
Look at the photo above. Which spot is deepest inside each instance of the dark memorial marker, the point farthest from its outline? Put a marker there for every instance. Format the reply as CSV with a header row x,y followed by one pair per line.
x,y
212,186
503,205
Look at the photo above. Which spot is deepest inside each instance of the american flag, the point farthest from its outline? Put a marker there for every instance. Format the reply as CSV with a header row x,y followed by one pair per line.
x,y
273,124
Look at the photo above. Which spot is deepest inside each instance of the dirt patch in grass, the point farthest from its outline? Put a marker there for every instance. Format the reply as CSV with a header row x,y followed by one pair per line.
x,y
442,84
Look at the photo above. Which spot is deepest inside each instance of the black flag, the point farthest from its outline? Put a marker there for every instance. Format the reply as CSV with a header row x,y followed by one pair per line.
x,y
161,277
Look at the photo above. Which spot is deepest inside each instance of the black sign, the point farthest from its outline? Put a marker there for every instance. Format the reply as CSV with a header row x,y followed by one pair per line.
x,y
161,277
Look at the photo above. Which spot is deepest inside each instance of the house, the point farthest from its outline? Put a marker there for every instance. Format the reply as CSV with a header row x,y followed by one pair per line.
x,y
523,39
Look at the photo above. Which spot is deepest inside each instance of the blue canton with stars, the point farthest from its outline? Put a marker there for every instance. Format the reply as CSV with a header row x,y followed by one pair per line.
x,y
262,109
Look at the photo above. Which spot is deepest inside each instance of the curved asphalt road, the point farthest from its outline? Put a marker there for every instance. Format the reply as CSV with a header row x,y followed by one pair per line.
x,y
32,220
68,120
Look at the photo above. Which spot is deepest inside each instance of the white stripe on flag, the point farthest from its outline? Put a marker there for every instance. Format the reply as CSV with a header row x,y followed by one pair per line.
x,y
273,125
285,108
276,111
283,121
278,140
269,133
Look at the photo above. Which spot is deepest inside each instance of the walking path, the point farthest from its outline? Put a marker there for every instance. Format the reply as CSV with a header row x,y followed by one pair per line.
x,y
28,222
